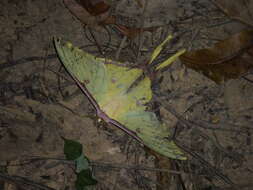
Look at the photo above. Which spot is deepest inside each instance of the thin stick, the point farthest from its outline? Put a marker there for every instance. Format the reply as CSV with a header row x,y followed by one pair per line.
x,y
102,164
23,181
122,43
25,60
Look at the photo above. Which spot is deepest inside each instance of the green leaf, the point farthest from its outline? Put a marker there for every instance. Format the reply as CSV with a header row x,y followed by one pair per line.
x,y
84,179
72,149
82,163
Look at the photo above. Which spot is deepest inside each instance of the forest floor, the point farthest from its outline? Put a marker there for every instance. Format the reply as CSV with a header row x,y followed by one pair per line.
x,y
38,106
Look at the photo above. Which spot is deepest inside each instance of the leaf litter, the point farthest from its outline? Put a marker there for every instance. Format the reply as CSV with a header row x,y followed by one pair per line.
x,y
37,106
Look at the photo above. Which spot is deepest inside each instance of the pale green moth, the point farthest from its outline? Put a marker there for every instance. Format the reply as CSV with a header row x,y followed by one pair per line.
x,y
106,85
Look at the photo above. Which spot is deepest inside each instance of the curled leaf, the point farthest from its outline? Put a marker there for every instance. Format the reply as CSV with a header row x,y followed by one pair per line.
x,y
94,7
82,14
227,59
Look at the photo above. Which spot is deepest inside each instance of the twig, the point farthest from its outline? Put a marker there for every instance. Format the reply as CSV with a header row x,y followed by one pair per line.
x,y
96,41
247,79
25,60
201,123
122,43
205,163
23,181
134,167
142,28
189,151
225,10
102,164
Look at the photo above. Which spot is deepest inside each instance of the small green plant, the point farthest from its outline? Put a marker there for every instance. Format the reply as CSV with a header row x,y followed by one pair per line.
x,y
74,151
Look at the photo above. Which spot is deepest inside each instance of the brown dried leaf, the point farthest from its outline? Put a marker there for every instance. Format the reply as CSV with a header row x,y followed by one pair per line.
x,y
82,14
225,60
95,8
241,10
95,14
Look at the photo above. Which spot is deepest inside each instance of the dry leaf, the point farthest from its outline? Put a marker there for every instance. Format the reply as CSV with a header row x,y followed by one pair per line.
x,y
225,60
96,14
95,8
82,14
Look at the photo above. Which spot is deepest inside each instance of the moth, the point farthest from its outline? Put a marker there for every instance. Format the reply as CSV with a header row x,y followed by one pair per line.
x,y
106,84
